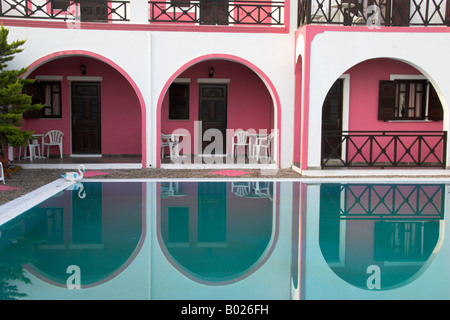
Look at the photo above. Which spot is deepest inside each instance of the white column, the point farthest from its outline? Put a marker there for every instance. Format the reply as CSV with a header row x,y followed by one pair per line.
x,y
139,11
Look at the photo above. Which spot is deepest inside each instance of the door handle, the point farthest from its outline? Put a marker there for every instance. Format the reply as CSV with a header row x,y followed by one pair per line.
x,y
74,121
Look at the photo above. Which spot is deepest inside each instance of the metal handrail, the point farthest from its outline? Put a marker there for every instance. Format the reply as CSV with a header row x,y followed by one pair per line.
x,y
381,201
384,148
221,12
99,11
377,13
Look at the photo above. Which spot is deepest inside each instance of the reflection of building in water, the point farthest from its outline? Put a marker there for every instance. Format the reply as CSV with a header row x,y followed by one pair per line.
x,y
393,227
100,233
218,232
141,240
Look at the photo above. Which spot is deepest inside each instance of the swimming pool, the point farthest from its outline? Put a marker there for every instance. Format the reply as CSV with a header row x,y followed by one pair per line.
x,y
229,239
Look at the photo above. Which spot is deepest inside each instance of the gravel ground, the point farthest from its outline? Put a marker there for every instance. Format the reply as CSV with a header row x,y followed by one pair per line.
x,y
30,179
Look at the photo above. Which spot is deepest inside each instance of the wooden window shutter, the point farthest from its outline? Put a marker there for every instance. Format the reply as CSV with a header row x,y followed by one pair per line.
x,y
386,104
435,111
179,101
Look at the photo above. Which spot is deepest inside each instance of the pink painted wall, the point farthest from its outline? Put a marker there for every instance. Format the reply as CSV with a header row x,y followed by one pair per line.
x,y
249,102
120,109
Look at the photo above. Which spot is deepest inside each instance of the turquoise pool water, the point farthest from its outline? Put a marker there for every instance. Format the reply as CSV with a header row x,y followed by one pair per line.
x,y
257,240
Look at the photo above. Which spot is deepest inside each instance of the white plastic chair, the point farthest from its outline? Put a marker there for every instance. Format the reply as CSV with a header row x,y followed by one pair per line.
x,y
33,147
2,175
55,138
262,189
166,141
241,138
262,142
241,189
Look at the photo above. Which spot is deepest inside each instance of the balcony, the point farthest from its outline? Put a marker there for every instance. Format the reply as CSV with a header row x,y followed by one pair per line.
x,y
376,13
259,13
218,12
85,11
384,149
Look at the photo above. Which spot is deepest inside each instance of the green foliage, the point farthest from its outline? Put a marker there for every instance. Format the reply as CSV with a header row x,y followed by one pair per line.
x,y
13,103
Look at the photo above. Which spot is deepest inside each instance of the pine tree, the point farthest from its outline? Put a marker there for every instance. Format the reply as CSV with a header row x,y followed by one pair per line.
x,y
13,103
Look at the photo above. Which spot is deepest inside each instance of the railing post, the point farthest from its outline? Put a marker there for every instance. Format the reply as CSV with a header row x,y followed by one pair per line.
x,y
444,151
395,149
308,11
426,13
388,17
419,157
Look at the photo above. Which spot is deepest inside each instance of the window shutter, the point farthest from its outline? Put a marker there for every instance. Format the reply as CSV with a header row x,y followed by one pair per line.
x,y
179,101
434,105
386,104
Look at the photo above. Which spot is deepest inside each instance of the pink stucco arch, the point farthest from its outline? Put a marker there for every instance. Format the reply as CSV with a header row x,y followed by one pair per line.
x,y
68,53
217,56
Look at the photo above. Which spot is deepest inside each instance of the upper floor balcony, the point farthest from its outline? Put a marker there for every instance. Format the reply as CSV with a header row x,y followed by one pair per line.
x,y
149,14
375,12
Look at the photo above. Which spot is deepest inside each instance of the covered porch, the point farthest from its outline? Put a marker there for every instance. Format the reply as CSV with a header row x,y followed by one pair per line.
x,y
93,107
218,113
382,114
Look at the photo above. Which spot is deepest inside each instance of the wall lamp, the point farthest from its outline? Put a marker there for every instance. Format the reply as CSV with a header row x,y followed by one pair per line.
x,y
83,69
211,72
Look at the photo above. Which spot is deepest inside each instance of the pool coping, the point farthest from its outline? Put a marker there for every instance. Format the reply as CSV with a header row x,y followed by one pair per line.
x,y
14,208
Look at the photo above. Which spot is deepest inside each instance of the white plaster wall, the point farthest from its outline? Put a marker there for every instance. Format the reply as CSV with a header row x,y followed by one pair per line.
x,y
271,53
129,50
332,53
151,58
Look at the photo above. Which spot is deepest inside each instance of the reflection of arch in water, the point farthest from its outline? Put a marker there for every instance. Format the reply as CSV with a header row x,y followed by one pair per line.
x,y
242,230
113,238
360,227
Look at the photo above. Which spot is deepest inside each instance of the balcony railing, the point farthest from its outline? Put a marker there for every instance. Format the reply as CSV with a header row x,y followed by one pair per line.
x,y
375,12
218,12
83,10
384,201
384,149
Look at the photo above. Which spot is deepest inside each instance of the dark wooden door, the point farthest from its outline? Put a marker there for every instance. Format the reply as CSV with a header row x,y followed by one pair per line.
x,y
212,212
332,122
214,12
400,12
86,118
213,110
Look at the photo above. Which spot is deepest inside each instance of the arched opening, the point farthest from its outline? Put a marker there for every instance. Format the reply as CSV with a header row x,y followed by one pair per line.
x,y
380,236
93,102
208,101
204,228
84,226
298,111
382,113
